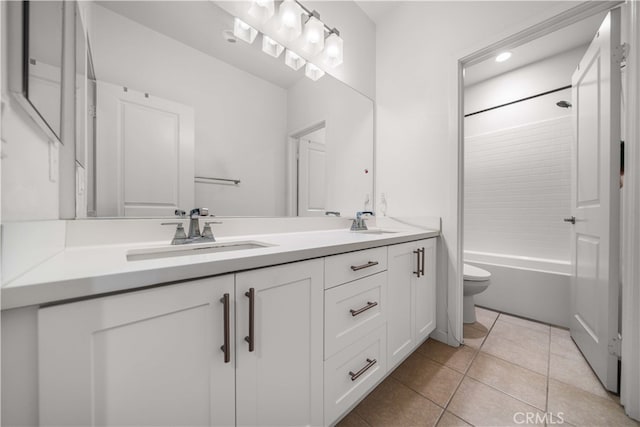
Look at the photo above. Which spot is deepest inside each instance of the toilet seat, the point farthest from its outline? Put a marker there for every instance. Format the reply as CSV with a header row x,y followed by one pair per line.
x,y
475,274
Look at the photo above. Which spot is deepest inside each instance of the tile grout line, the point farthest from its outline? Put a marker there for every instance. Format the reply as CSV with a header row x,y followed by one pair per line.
x,y
464,375
546,404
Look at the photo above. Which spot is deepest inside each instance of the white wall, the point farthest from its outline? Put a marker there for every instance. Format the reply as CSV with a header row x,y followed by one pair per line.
x,y
348,118
240,120
27,191
417,47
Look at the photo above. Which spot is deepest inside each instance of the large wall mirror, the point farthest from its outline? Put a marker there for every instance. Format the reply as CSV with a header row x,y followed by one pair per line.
x,y
41,79
186,115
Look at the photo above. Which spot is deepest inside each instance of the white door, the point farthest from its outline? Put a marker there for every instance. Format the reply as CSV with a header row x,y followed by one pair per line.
x,y
148,358
595,202
144,149
312,174
279,338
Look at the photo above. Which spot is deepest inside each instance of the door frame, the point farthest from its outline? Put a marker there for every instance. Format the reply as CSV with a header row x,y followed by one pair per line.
x,y
630,390
292,165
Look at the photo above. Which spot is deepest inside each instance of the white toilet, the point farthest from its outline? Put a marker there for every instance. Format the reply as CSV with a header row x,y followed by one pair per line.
x,y
476,280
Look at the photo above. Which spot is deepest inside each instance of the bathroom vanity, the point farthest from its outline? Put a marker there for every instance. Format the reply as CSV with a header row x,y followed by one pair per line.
x,y
295,332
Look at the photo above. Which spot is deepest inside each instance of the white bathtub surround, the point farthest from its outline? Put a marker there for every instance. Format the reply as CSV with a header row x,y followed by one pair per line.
x,y
94,259
541,295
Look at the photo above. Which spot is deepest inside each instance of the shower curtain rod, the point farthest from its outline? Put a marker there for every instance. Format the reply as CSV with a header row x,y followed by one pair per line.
x,y
519,100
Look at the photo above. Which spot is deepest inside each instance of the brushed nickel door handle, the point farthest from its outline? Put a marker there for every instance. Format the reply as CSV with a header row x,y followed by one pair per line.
x,y
369,305
225,347
422,269
367,265
370,363
252,306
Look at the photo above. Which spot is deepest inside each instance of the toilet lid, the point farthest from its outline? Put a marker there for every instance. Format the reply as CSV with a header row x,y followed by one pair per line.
x,y
475,274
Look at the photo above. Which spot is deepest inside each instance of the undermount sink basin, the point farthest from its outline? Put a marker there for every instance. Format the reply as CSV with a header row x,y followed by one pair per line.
x,y
375,231
187,250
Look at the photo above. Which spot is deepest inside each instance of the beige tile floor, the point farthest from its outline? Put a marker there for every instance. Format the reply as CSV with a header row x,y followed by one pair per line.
x,y
508,367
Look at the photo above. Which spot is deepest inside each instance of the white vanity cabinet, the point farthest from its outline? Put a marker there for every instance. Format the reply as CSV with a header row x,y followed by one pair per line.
x,y
354,328
412,297
144,358
293,344
279,379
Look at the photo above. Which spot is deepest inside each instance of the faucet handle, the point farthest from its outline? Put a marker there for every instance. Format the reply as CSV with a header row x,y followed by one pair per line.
x,y
179,213
199,212
207,233
360,213
180,236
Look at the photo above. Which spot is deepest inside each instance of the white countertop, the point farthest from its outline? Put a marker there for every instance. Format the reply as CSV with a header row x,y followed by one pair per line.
x,y
84,271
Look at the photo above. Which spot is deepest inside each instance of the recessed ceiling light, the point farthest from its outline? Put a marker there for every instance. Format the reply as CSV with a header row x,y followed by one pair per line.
x,y
503,56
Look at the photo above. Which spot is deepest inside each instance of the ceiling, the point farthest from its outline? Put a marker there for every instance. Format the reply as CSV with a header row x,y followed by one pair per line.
x,y
201,24
570,37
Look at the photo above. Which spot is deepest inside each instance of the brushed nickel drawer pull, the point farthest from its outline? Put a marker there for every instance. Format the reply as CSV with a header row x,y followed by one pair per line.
x,y
369,305
226,346
252,297
357,375
367,265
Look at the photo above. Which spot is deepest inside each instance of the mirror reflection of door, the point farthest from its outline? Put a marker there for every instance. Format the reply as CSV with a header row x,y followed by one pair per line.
x,y
145,152
312,170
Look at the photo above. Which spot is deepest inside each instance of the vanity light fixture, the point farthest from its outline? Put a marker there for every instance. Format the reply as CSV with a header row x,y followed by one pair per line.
x,y
290,16
313,72
262,10
271,47
244,31
313,34
333,48
503,56
293,60
293,22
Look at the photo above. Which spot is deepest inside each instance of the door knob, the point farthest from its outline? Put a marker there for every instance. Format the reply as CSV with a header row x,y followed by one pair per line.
x,y
572,220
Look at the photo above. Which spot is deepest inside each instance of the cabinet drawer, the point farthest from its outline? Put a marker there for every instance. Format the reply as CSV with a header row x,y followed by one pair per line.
x,y
365,359
353,310
344,268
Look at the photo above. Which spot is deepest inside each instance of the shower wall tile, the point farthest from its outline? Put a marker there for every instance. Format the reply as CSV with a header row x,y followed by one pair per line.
x,y
518,189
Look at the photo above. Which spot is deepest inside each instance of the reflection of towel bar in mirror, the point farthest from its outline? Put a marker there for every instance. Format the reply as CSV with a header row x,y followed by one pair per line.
x,y
213,180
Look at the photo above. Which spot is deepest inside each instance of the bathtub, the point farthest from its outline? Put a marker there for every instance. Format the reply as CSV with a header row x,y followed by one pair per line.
x,y
534,288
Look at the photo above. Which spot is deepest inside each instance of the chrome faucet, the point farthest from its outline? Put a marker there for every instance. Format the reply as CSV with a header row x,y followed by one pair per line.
x,y
358,223
179,238
194,224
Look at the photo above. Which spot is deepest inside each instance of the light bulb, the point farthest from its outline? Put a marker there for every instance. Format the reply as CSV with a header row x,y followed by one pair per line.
x,y
244,31
271,47
293,60
313,35
262,10
313,72
333,49
290,19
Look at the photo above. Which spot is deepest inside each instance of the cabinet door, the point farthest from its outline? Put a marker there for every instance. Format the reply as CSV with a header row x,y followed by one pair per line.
x,y
279,383
148,358
425,291
403,265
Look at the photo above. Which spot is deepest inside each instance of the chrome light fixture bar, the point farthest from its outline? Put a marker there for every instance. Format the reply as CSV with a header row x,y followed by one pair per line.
x,y
293,22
